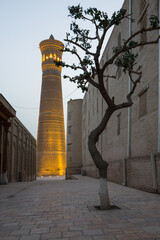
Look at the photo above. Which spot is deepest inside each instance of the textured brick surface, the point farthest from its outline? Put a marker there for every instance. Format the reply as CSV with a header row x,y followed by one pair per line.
x,y
60,209
115,171
144,129
74,137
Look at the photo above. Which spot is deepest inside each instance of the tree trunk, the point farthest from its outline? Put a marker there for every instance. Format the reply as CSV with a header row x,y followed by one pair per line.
x,y
103,194
98,160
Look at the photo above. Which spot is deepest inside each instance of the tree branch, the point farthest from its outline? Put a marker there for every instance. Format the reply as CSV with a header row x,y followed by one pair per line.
x,y
74,52
108,76
129,99
140,31
144,43
104,33
87,37
97,33
126,48
90,80
78,45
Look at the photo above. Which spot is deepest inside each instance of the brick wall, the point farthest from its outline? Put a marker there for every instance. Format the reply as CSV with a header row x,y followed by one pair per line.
x,y
91,171
113,142
139,173
115,173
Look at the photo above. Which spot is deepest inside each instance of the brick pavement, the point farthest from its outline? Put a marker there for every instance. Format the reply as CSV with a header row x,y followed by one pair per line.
x,y
60,209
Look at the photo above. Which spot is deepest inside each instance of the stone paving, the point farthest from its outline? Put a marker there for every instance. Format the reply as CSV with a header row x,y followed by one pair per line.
x,y
64,209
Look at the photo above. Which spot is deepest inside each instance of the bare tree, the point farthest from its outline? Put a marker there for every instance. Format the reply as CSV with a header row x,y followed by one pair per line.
x,y
90,71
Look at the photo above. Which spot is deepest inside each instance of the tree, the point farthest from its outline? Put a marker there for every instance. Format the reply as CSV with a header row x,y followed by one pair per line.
x,y
90,71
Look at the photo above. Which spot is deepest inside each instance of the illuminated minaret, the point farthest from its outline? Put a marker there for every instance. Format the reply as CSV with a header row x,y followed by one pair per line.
x,y
51,150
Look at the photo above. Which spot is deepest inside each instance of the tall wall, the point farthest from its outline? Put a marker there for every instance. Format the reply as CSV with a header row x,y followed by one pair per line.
x,y
136,171
74,137
21,152
51,149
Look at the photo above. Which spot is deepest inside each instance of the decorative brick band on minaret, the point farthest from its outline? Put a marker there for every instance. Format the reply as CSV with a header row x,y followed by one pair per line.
x,y
51,150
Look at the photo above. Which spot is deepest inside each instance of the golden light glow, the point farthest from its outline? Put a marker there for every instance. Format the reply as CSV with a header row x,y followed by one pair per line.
x,y
43,58
51,149
46,45
51,66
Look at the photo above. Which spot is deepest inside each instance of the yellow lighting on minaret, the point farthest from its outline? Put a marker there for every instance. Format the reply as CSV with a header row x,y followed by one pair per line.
x,y
51,149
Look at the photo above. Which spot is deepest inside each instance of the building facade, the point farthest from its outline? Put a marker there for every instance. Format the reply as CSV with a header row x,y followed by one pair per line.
x,y
51,150
74,137
17,147
130,142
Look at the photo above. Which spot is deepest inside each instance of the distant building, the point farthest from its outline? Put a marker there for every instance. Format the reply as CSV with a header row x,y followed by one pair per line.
x,y
74,137
17,147
131,141
51,149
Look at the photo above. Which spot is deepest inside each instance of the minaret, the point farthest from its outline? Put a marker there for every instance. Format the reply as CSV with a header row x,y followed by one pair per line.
x,y
51,150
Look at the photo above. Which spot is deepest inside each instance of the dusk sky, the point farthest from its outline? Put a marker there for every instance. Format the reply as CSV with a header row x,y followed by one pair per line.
x,y
23,25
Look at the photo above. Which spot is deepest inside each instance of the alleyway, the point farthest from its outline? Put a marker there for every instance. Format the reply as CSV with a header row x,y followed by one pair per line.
x,y
60,209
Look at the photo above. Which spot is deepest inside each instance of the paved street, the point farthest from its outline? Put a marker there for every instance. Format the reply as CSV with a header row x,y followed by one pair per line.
x,y
59,209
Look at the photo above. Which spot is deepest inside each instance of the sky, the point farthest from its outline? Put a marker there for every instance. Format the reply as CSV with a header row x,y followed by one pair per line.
x,y
23,25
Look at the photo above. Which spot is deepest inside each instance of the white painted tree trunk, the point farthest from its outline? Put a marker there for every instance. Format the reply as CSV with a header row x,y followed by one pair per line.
x,y
103,194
